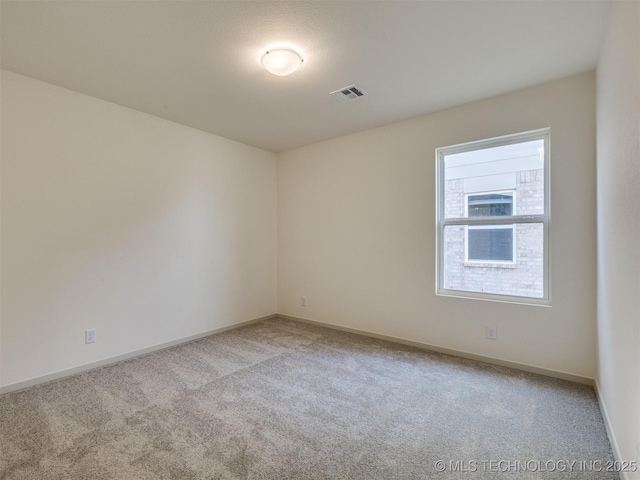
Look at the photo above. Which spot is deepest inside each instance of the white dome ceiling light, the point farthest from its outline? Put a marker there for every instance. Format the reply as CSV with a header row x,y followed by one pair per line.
x,y
281,61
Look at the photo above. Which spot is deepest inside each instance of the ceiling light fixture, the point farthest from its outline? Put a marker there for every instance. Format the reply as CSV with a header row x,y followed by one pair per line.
x,y
281,61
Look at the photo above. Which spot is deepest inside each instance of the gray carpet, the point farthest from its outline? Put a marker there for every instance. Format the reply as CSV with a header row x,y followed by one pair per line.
x,y
285,400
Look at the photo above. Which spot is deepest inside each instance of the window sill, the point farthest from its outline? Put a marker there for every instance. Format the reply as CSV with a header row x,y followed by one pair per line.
x,y
490,265
488,297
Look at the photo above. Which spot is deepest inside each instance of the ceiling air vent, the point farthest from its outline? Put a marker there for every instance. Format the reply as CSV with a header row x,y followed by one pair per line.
x,y
349,94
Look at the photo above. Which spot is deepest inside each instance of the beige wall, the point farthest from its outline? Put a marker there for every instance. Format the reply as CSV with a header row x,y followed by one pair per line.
x,y
356,231
112,219
618,93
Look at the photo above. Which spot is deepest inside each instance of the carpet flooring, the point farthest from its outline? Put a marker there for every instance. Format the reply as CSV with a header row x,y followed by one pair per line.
x,y
285,400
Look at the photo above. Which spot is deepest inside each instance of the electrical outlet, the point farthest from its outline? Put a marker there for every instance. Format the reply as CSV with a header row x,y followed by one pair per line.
x,y
492,333
90,336
303,301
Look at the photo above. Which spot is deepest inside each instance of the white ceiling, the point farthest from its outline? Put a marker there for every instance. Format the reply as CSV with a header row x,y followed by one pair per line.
x,y
197,63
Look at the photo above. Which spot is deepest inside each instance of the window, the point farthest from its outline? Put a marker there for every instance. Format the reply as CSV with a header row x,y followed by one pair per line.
x,y
493,219
490,244
493,204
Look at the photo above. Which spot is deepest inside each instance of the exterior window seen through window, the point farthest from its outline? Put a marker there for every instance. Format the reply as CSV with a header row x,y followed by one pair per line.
x,y
490,244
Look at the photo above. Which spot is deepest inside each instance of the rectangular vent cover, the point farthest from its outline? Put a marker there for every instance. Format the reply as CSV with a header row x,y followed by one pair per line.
x,y
348,94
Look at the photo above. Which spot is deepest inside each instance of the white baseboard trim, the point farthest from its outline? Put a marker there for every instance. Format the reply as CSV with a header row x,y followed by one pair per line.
x,y
448,351
125,356
609,426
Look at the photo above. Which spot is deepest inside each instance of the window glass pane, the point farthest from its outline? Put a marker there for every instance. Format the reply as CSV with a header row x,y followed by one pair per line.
x,y
485,177
490,244
524,277
490,205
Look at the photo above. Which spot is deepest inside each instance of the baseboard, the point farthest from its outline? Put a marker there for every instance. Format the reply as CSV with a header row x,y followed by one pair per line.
x,y
457,353
125,356
610,433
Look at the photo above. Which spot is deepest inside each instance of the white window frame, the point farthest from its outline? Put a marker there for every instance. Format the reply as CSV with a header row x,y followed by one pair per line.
x,y
544,218
477,227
